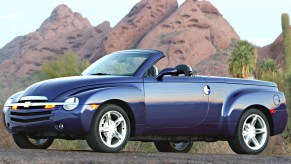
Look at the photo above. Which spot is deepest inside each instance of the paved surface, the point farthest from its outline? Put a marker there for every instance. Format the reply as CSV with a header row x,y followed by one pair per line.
x,y
62,156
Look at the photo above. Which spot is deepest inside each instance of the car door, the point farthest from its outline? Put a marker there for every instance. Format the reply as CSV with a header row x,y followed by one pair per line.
x,y
175,102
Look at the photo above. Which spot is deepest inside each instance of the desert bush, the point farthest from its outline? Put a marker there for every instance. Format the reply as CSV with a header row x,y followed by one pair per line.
x,y
64,65
267,66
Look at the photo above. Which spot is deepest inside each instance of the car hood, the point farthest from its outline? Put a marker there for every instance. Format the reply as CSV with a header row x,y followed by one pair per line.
x,y
54,87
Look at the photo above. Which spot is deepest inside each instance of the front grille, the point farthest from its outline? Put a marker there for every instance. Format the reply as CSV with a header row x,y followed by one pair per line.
x,y
30,120
30,108
30,114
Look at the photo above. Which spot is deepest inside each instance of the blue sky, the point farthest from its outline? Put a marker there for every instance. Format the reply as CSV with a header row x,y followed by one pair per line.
x,y
255,20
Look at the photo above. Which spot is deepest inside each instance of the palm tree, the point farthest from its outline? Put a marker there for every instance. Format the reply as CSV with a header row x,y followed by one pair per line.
x,y
267,67
242,60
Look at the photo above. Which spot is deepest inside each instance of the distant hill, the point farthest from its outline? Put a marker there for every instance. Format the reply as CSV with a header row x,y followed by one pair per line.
x,y
64,30
195,33
274,51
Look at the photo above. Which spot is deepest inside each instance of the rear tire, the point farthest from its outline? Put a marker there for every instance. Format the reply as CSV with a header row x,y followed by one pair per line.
x,y
252,133
174,147
25,142
110,129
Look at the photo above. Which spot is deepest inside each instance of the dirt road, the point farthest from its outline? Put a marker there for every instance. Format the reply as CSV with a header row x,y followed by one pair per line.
x,y
62,156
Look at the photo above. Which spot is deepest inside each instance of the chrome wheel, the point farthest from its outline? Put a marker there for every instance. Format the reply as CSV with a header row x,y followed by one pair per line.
x,y
112,129
254,132
175,147
180,145
38,142
26,141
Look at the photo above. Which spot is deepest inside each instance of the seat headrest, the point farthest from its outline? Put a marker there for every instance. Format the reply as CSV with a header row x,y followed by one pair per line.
x,y
153,71
184,69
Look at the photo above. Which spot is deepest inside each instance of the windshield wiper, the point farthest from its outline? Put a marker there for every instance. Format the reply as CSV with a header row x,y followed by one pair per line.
x,y
100,74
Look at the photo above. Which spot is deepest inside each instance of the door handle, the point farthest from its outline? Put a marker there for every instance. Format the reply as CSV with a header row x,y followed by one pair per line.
x,y
206,90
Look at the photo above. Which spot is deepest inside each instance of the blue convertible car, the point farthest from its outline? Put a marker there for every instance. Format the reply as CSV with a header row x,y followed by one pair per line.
x,y
123,97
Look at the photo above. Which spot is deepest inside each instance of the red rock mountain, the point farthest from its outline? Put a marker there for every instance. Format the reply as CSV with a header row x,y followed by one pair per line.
x,y
64,30
143,17
195,33
192,33
274,51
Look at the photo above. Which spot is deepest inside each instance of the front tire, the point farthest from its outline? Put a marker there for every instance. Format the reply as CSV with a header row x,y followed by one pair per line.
x,y
26,142
110,129
252,134
174,147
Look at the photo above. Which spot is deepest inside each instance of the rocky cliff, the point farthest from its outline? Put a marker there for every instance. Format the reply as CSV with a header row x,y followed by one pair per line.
x,y
141,19
63,31
192,33
274,51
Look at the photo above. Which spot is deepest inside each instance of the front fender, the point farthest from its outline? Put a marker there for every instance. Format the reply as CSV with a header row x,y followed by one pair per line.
x,y
132,95
238,102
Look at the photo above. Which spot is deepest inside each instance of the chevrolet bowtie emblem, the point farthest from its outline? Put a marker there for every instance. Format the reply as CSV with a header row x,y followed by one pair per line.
x,y
27,104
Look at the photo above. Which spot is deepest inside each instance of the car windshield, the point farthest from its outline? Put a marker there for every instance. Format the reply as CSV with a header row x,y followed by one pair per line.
x,y
121,64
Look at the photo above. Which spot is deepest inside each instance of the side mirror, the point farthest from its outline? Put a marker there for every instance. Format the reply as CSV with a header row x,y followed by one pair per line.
x,y
166,71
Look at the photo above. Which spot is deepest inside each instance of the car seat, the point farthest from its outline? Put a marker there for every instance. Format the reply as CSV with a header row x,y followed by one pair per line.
x,y
184,69
153,71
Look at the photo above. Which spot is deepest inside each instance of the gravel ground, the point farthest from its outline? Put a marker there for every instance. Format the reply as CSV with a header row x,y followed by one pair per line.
x,y
62,156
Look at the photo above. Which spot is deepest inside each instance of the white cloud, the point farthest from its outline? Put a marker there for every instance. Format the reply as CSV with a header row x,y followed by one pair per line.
x,y
10,16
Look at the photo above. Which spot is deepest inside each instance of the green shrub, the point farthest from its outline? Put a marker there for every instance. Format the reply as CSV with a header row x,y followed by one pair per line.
x,y
64,65
267,67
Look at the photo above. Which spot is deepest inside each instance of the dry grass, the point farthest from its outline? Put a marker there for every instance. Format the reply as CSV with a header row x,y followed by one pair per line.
x,y
6,140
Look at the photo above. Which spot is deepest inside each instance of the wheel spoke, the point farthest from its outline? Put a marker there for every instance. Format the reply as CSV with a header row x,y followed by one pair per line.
x,y
109,139
247,127
40,141
117,135
255,142
103,129
37,142
244,133
248,140
254,120
108,118
260,131
118,121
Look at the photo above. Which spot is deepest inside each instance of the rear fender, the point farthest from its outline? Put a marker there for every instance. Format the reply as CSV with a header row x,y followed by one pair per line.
x,y
238,102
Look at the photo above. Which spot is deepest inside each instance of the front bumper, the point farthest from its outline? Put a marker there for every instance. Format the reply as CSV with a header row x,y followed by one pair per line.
x,y
44,122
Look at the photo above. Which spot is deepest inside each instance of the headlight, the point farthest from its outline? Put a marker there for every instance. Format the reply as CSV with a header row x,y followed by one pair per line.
x,y
8,102
5,107
71,103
